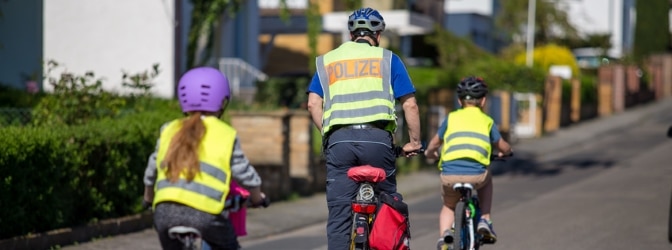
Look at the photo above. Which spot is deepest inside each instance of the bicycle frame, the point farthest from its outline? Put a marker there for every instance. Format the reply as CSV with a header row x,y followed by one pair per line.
x,y
467,212
364,206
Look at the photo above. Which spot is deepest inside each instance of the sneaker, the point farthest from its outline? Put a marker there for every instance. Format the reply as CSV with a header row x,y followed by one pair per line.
x,y
485,229
440,245
448,236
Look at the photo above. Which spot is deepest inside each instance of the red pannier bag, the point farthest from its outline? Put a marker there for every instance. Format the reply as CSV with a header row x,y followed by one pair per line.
x,y
391,228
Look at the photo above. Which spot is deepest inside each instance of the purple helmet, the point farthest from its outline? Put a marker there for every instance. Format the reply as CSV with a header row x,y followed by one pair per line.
x,y
203,89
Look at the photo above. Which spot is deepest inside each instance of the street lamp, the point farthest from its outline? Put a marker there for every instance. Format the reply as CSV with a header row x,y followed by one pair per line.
x,y
531,9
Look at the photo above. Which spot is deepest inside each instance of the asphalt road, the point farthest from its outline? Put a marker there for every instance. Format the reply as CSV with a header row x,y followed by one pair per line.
x,y
610,193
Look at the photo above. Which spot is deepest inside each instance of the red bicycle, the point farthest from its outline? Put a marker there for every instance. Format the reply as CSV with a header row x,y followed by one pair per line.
x,y
365,204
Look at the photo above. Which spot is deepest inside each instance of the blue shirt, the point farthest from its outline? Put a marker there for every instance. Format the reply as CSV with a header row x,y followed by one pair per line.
x,y
465,167
401,82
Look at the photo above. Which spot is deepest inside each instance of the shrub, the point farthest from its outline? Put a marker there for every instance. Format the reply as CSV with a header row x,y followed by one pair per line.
x,y
60,176
287,91
17,98
549,55
503,75
76,99
589,89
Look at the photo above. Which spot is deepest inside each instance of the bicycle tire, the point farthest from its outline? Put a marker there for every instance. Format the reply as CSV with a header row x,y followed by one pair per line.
x,y
669,224
354,245
458,241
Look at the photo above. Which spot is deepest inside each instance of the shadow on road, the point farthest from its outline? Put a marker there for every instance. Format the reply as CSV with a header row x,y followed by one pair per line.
x,y
527,164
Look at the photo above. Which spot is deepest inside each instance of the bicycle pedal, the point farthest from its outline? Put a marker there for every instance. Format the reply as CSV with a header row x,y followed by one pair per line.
x,y
488,241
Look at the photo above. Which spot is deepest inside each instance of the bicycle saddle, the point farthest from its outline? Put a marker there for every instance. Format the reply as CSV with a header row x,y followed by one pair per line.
x,y
174,232
458,185
366,173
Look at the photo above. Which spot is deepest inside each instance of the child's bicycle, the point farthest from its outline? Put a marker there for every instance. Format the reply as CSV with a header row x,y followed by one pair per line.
x,y
189,236
467,215
365,204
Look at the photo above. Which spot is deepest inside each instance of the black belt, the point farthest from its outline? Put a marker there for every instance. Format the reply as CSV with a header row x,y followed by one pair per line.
x,y
359,126
371,125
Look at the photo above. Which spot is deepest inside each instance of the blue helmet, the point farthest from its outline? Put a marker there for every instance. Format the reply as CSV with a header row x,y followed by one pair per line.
x,y
366,18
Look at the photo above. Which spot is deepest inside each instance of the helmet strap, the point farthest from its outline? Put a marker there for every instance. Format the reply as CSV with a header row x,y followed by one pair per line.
x,y
225,103
359,34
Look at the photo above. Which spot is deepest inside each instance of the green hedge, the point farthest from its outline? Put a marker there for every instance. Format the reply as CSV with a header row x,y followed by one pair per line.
x,y
61,176
18,98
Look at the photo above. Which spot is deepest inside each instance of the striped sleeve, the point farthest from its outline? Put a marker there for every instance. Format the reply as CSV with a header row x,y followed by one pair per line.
x,y
241,170
150,171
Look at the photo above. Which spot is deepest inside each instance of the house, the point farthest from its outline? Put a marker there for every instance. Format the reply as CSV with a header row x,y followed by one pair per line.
x,y
113,37
475,19
110,37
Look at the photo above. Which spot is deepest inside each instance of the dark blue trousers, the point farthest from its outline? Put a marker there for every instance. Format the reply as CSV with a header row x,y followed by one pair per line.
x,y
344,149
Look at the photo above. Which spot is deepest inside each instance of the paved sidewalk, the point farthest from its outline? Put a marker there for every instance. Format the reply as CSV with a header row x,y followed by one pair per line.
x,y
585,131
288,215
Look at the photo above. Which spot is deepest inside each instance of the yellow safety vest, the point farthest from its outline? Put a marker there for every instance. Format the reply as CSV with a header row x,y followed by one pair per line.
x,y
357,85
468,136
208,190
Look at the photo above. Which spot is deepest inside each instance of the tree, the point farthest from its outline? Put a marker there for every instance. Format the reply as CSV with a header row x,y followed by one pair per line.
x,y
205,18
551,21
652,33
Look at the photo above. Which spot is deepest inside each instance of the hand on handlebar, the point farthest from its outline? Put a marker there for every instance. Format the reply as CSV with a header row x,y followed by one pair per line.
x,y
500,156
264,202
410,150
146,204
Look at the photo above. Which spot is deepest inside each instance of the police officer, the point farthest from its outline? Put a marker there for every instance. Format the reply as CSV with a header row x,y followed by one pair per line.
x,y
351,100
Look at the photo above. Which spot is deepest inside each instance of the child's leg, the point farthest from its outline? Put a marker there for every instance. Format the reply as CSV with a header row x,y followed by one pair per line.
x,y
446,219
449,198
485,193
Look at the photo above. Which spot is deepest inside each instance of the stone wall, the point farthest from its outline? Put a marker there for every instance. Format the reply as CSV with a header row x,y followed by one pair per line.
x,y
279,145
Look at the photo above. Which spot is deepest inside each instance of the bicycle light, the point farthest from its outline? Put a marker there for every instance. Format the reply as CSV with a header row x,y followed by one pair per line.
x,y
364,208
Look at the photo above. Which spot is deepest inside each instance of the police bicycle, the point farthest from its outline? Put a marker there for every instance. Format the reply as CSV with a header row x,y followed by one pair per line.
x,y
467,215
365,204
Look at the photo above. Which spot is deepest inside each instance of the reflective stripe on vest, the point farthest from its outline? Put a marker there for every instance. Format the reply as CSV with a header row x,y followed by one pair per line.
x,y
468,136
356,80
208,190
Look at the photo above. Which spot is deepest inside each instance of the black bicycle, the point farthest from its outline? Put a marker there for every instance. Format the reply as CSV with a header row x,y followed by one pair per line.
x,y
189,236
364,206
467,215
669,223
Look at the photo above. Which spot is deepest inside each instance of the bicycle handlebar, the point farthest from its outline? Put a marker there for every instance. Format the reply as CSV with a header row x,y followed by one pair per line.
x,y
264,203
399,151
248,203
494,157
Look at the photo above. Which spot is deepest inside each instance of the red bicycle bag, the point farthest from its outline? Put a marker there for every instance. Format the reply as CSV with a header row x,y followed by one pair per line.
x,y
391,228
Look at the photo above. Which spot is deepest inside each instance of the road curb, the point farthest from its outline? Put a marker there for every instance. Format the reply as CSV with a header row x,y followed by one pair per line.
x,y
68,236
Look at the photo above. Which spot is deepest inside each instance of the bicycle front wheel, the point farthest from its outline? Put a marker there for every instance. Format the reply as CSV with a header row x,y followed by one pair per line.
x,y
461,232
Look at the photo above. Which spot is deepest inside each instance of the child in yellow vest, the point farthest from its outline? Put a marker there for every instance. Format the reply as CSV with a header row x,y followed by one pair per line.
x,y
189,175
467,136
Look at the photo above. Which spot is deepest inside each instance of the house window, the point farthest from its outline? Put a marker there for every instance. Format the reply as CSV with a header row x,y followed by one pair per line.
x,y
275,4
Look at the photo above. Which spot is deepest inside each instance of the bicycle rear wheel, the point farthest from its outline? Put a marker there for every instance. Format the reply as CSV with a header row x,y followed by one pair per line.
x,y
357,241
461,233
